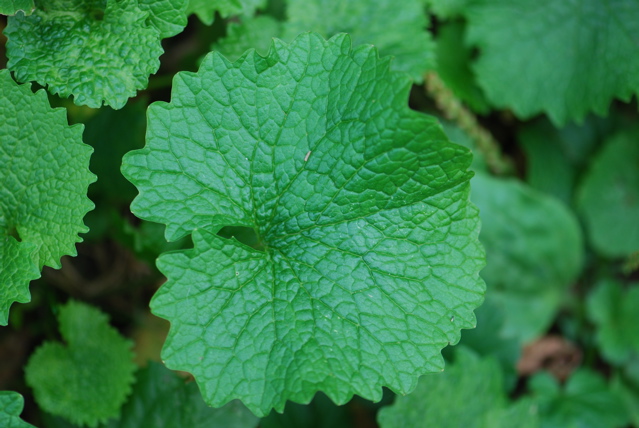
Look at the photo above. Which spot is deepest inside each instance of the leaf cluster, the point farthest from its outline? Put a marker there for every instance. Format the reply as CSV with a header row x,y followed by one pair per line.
x,y
350,213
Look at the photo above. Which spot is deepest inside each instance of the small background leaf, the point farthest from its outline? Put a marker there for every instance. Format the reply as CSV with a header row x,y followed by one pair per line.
x,y
533,249
89,378
473,386
251,33
453,66
609,196
205,9
614,312
585,50
400,32
585,401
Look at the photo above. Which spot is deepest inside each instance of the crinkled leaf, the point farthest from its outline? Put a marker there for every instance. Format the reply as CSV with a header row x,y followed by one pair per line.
x,y
609,196
614,312
99,52
11,404
564,58
251,33
162,399
11,7
453,66
87,379
533,252
43,187
205,9
18,269
168,16
473,387
367,258
584,401
397,31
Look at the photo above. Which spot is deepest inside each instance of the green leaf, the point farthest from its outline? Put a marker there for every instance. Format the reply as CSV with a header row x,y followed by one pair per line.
x,y
608,198
367,255
146,239
473,387
168,16
447,8
614,312
11,404
397,31
531,261
585,401
458,136
251,33
87,380
629,394
162,399
565,58
453,66
11,7
99,52
488,339
205,9
43,187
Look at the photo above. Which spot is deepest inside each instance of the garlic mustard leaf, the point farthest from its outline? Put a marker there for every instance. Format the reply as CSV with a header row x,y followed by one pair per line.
x,y
162,399
533,252
614,312
43,188
473,386
11,404
400,32
563,58
168,16
18,269
11,7
87,380
99,52
367,257
205,9
251,33
608,198
586,400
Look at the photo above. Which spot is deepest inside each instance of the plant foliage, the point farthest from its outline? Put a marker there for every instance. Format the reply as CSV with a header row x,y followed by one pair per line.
x,y
87,380
11,7
321,303
43,187
599,38
100,51
316,216
11,404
